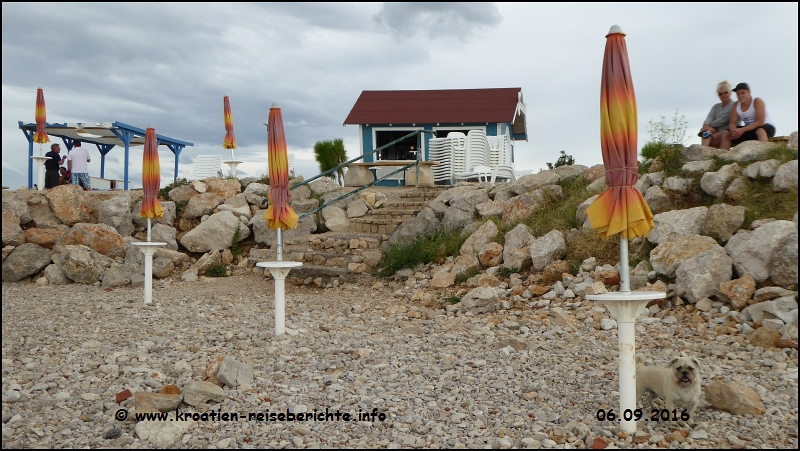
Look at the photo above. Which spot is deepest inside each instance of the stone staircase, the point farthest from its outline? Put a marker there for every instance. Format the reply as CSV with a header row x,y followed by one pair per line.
x,y
330,256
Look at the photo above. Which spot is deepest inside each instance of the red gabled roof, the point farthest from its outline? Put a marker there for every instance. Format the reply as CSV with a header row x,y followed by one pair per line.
x,y
435,106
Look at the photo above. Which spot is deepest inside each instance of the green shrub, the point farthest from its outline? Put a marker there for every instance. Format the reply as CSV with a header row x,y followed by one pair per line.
x,y
466,276
670,133
163,193
179,206
563,160
452,299
216,270
423,250
236,247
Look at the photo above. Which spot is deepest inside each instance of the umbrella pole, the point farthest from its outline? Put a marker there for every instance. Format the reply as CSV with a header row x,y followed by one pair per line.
x,y
279,251
148,230
625,273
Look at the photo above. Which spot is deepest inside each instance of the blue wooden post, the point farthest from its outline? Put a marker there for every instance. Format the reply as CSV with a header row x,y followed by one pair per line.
x,y
176,150
104,149
29,137
126,137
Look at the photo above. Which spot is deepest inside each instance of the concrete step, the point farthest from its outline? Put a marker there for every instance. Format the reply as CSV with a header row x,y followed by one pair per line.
x,y
370,225
321,276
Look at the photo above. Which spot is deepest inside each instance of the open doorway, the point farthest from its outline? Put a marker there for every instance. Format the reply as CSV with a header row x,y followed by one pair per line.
x,y
403,150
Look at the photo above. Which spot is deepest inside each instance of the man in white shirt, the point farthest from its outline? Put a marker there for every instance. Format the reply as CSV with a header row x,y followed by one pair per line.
x,y
78,163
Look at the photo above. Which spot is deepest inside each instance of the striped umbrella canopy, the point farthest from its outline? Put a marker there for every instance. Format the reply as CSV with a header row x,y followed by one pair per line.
x,y
279,214
620,209
41,135
230,140
151,177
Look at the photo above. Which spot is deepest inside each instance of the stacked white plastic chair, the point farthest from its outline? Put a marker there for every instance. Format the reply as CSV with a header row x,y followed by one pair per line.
x,y
441,151
458,147
477,157
206,166
503,168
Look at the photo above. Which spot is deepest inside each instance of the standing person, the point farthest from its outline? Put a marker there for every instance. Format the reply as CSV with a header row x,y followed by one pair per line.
x,y
718,118
51,166
78,163
753,112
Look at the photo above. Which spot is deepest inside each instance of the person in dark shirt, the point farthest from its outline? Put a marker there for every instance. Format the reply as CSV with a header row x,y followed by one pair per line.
x,y
51,174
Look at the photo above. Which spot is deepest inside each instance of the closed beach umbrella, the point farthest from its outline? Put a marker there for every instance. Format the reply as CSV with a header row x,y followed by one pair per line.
x,y
41,119
279,214
151,179
620,209
230,140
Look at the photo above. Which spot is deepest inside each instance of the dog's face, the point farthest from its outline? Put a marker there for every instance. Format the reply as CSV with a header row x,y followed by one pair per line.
x,y
685,370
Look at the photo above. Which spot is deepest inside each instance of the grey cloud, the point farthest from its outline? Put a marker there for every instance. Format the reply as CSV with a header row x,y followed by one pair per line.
x,y
437,19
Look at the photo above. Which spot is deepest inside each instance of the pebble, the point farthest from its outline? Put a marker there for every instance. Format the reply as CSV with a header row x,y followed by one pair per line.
x,y
531,376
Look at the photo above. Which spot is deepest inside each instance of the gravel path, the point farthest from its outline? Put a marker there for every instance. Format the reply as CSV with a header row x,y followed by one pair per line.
x,y
532,376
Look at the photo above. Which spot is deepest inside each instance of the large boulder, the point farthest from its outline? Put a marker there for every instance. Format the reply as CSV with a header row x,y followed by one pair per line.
x,y
456,219
580,212
570,172
481,237
225,189
783,265
19,204
762,169
323,185
722,221
465,265
785,177
255,193
516,255
470,200
168,207
83,265
753,252
182,193
304,205
520,207
98,237
700,276
667,256
70,204
13,235
424,224
200,205
480,300
335,219
677,223
118,276
24,261
43,237
531,182
547,249
748,151
44,218
678,185
166,234
697,167
264,235
657,200
116,212
715,183
697,152
215,233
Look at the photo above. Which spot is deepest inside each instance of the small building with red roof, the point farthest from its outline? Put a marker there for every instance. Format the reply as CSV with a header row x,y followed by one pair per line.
x,y
384,116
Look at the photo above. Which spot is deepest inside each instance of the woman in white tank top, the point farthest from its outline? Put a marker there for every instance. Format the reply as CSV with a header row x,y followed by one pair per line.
x,y
758,126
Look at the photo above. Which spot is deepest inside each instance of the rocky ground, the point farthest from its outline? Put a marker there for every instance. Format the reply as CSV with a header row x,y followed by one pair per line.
x,y
533,375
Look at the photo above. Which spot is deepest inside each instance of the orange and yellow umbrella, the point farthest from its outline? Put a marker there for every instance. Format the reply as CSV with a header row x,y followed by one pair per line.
x,y
41,122
151,177
279,214
622,208
230,140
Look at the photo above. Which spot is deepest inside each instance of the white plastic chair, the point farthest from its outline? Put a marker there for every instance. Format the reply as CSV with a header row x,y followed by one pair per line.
x,y
504,172
477,157
290,158
206,166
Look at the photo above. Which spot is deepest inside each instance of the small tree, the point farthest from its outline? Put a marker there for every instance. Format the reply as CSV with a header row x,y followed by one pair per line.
x,y
330,154
563,160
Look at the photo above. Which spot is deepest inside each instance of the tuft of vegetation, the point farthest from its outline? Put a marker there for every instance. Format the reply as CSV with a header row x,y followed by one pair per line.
x,y
329,154
557,213
424,249
236,247
452,299
216,270
587,243
179,206
759,202
563,160
665,145
163,193
671,133
466,276
506,272
782,152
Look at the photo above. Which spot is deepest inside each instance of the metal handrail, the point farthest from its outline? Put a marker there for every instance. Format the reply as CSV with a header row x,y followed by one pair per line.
x,y
363,187
329,171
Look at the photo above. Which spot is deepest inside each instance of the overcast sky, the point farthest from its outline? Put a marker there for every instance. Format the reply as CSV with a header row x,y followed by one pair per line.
x,y
169,65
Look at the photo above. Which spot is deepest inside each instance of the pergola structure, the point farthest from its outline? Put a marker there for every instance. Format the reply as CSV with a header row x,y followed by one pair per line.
x,y
105,136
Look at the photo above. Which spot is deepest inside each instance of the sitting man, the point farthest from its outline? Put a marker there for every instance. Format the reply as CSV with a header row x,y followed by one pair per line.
x,y
753,111
718,118
66,177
